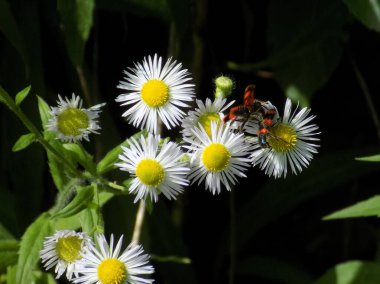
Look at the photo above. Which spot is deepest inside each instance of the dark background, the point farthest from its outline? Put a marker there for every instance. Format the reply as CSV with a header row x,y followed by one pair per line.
x,y
279,235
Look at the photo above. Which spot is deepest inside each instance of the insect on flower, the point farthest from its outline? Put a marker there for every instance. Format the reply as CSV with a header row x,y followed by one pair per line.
x,y
261,113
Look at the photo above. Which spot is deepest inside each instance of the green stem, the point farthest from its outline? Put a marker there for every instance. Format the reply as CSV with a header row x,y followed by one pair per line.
x,y
6,98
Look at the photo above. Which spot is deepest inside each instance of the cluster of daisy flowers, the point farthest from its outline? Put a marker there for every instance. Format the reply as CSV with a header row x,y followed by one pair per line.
x,y
86,261
219,144
214,150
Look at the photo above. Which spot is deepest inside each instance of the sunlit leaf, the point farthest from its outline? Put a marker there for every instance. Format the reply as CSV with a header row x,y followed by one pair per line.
x,y
366,208
374,158
23,142
368,12
22,95
30,246
352,272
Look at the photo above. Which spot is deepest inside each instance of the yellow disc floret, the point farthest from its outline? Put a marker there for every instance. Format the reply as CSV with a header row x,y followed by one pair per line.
x,y
155,93
112,271
68,248
283,138
205,121
216,157
72,121
150,172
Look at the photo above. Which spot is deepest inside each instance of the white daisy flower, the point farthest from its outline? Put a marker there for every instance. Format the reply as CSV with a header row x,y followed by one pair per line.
x,y
156,168
71,122
218,158
155,90
63,250
204,114
290,142
105,264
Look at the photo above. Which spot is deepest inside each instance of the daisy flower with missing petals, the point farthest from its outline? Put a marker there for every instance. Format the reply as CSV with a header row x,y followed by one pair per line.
x,y
106,264
157,167
218,158
204,114
156,90
63,250
290,142
71,122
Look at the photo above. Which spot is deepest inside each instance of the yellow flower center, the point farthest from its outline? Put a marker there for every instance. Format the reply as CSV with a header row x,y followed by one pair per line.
x,y
112,271
283,138
155,93
216,157
71,121
205,121
68,248
150,172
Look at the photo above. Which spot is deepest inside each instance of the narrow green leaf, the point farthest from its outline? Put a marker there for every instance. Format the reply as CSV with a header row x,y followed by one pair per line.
x,y
80,155
11,274
82,198
43,278
23,142
366,208
272,269
352,272
30,246
107,163
368,12
8,253
44,110
22,95
76,18
91,221
373,158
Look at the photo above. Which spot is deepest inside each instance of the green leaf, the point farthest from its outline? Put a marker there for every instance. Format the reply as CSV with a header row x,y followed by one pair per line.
x,y
76,18
107,163
43,278
373,158
366,208
91,221
22,95
82,198
352,272
11,274
272,269
368,12
30,246
8,253
80,155
44,110
23,142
